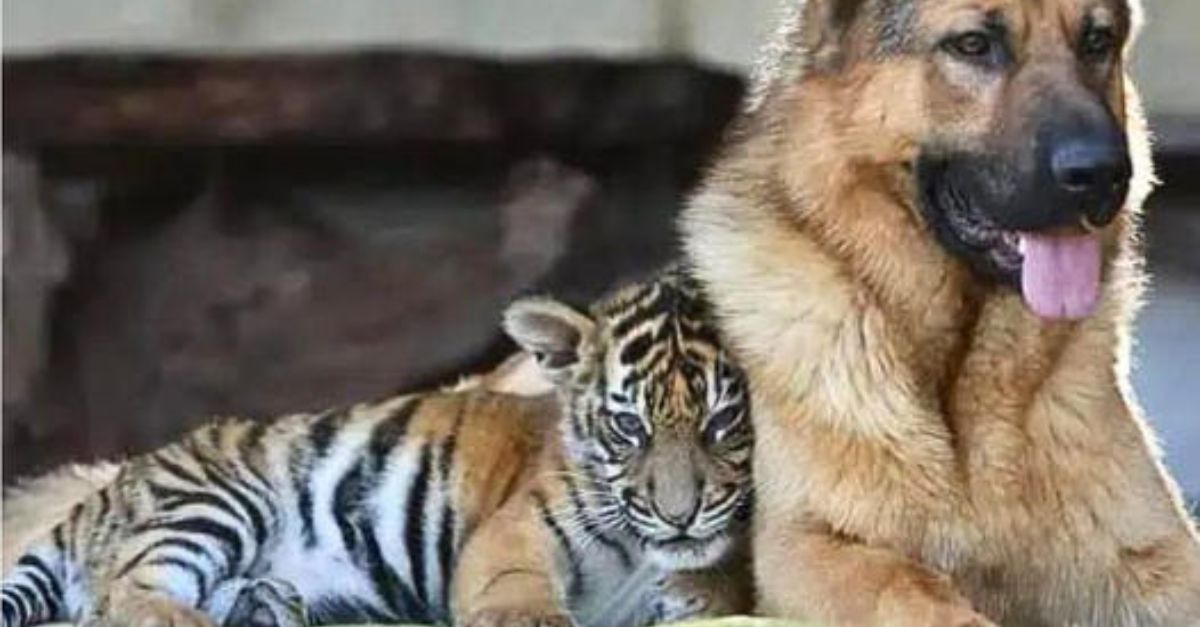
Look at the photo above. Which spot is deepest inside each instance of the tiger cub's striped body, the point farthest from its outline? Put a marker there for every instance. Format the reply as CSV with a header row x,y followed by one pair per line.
x,y
463,506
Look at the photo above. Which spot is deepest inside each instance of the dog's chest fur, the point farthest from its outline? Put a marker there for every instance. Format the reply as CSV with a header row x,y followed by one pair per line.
x,y
1002,494
1019,473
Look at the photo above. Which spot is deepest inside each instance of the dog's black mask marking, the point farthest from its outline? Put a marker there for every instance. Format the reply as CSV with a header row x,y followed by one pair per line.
x,y
951,201
1071,169
977,205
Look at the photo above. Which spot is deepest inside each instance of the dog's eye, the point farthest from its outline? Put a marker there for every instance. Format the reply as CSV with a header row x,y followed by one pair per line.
x,y
972,45
1097,43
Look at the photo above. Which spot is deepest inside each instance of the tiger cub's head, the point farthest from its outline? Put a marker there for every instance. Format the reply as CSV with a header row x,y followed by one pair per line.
x,y
657,414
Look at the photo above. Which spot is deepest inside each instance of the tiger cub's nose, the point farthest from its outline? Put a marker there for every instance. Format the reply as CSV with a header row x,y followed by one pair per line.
x,y
676,503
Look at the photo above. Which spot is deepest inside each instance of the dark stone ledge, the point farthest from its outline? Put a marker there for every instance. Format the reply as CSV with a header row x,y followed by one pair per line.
x,y
365,97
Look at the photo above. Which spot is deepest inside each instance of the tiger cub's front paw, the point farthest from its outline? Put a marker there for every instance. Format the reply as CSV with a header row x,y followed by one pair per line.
x,y
677,606
682,596
516,618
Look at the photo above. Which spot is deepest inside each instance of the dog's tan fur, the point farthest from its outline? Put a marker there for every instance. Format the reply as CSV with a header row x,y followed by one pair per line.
x,y
929,451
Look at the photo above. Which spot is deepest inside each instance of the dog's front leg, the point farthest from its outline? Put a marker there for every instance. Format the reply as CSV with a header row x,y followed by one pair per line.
x,y
813,575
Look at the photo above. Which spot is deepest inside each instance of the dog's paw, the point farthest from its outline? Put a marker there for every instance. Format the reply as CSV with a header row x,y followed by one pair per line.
x,y
517,618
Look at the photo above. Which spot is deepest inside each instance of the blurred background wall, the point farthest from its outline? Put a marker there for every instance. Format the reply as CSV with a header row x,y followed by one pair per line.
x,y
713,30
722,32
221,206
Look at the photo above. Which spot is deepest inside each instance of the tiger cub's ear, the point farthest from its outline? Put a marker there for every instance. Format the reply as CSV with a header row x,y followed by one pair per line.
x,y
558,336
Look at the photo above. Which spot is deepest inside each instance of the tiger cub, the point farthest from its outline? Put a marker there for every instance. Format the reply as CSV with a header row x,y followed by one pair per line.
x,y
619,499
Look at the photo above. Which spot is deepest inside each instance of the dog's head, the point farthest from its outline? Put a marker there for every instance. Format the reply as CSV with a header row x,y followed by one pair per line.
x,y
1008,117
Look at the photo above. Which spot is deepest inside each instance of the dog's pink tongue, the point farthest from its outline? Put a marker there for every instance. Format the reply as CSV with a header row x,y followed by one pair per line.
x,y
1060,276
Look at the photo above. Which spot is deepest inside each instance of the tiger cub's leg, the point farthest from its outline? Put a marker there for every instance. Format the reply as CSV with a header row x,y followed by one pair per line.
x,y
167,567
163,578
505,577
196,514
128,606
41,588
264,602
160,585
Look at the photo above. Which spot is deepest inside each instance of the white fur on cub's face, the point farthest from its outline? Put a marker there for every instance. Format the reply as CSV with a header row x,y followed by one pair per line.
x,y
693,555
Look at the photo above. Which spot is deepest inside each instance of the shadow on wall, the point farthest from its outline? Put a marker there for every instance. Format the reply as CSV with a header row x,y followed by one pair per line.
x,y
240,303
194,245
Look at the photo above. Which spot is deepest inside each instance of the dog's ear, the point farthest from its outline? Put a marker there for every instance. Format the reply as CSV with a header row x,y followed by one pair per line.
x,y
824,26
559,337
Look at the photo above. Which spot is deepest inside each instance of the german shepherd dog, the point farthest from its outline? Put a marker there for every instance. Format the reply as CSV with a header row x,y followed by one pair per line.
x,y
921,241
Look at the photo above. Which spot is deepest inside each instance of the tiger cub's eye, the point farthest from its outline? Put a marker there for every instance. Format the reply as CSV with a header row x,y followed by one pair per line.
x,y
627,424
724,424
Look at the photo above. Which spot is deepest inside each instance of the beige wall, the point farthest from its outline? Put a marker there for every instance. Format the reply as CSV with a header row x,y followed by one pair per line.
x,y
724,32
720,31
1168,58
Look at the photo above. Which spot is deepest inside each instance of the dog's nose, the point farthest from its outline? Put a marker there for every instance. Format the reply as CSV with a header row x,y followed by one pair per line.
x,y
1092,172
